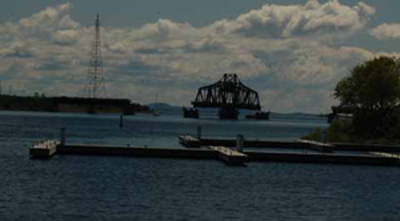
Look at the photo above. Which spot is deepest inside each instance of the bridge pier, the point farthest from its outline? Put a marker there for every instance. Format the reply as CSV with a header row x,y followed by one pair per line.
x,y
190,112
228,113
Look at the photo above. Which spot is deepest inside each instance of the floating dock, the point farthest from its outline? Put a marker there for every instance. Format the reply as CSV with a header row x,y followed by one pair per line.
x,y
230,156
47,149
370,159
189,141
109,150
366,147
193,142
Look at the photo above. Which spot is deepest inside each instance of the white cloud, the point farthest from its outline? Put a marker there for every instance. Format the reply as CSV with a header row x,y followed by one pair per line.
x,y
164,28
293,20
17,49
50,19
65,37
386,31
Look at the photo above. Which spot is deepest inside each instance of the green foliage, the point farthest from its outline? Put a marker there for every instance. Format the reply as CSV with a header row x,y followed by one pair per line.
x,y
373,85
316,135
339,131
372,91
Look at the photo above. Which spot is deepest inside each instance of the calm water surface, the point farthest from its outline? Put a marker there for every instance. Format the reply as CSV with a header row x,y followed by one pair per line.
x,y
119,188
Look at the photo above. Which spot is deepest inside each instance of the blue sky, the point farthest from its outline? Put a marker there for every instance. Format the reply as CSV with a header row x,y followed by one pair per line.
x,y
137,13
292,52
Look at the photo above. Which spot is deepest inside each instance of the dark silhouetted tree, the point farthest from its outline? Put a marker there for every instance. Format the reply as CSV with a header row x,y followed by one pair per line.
x,y
372,91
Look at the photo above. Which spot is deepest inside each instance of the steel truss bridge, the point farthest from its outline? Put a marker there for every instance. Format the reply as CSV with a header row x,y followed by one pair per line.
x,y
228,94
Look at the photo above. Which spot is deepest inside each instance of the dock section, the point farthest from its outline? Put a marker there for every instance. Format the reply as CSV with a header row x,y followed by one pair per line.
x,y
44,149
367,147
388,155
318,146
336,158
109,150
191,141
229,156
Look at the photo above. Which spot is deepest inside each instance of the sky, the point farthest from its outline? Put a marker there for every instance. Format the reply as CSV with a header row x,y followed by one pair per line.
x,y
293,52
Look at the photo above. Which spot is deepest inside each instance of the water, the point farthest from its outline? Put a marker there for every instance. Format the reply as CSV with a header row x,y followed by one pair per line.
x,y
119,188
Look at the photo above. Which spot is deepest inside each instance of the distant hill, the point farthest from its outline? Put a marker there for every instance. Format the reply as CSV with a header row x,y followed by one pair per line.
x,y
297,115
163,106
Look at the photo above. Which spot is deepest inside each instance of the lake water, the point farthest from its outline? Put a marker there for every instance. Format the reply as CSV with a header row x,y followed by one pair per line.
x,y
123,188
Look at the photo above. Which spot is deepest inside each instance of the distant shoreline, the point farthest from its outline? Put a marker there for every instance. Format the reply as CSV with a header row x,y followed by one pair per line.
x,y
70,104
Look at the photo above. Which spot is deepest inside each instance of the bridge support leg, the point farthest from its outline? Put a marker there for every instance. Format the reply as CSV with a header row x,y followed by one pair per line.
x,y
228,112
190,113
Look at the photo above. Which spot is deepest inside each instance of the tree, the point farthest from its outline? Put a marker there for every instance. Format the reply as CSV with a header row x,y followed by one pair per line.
x,y
372,91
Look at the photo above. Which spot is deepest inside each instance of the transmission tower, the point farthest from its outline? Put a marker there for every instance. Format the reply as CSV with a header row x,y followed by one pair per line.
x,y
96,87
